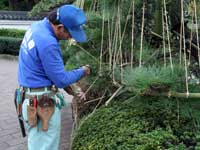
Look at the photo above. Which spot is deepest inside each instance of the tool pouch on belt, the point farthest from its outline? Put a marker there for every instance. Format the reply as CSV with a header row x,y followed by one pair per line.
x,y
18,100
32,112
45,110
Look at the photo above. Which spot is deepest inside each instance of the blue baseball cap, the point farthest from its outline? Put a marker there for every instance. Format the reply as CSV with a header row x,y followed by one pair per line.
x,y
73,19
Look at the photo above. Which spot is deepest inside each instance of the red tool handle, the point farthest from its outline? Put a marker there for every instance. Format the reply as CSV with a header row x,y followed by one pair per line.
x,y
35,102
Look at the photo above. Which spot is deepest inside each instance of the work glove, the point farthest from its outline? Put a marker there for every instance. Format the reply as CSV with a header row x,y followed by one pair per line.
x,y
81,95
86,69
75,90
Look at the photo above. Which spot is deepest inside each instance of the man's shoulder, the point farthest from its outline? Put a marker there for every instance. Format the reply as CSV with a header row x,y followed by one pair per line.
x,y
42,33
44,37
44,41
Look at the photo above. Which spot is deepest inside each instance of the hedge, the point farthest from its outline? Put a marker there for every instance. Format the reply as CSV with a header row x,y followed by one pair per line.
x,y
10,40
12,33
155,125
9,45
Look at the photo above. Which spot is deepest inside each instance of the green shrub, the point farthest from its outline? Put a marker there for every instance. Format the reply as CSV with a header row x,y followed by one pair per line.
x,y
9,45
140,79
136,126
15,33
10,40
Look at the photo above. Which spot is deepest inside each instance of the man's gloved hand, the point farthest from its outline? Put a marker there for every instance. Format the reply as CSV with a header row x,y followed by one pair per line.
x,y
86,69
75,90
81,95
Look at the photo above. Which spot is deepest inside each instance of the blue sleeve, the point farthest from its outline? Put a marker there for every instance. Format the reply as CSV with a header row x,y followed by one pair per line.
x,y
54,68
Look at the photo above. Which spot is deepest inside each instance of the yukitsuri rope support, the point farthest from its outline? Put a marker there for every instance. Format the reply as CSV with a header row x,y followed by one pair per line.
x,y
94,58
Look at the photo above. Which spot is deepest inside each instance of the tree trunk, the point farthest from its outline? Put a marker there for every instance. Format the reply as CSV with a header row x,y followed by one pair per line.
x,y
30,4
12,4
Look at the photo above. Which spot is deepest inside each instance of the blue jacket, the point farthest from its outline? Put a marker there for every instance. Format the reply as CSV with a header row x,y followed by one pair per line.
x,y
40,59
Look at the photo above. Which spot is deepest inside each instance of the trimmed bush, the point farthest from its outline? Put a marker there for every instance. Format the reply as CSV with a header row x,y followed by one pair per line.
x,y
137,126
9,45
15,33
10,40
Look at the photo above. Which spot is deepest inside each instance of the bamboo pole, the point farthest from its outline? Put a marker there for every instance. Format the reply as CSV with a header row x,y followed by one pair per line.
x,y
93,6
167,28
109,45
184,48
119,34
142,34
173,94
91,86
114,94
115,45
197,33
188,41
191,35
112,29
164,44
120,44
132,33
93,100
82,4
100,101
102,36
180,42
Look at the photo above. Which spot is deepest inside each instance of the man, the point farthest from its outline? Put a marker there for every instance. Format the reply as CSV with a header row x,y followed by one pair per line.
x,y
41,66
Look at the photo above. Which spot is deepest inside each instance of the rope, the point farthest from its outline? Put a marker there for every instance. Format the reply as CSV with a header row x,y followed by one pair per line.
x,y
94,58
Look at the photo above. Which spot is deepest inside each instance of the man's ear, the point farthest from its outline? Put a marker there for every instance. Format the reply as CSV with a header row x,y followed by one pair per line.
x,y
59,27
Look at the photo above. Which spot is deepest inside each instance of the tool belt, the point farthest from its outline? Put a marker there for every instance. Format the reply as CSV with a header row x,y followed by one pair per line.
x,y
42,109
42,103
48,89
